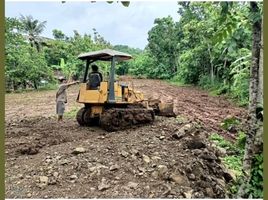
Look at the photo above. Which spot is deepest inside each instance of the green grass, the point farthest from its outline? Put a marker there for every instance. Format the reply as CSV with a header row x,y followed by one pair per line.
x,y
233,162
72,113
221,142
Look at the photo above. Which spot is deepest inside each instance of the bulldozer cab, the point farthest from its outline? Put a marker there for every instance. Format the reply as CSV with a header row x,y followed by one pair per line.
x,y
111,105
94,91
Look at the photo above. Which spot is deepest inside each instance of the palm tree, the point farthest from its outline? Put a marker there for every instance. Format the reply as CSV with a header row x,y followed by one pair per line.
x,y
33,28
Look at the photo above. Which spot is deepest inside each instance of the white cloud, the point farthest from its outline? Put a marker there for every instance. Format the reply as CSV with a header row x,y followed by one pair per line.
x,y
116,23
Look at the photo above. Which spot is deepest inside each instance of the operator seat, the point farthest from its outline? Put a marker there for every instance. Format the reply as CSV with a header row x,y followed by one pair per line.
x,y
94,81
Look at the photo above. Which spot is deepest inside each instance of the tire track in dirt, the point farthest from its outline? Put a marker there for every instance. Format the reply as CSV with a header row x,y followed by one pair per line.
x,y
191,102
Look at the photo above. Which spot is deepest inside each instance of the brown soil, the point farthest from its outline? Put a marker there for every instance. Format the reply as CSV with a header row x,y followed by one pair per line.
x,y
169,158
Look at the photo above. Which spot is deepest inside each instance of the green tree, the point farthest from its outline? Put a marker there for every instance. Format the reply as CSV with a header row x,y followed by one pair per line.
x,y
163,47
58,34
33,28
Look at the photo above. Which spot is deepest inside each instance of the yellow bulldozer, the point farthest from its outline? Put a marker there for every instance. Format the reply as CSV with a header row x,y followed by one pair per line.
x,y
114,105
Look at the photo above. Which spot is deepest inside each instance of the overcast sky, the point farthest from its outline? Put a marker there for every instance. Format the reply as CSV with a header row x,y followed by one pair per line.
x,y
116,23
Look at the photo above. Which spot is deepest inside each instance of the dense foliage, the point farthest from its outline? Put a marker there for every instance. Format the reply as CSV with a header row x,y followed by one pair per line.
x,y
32,60
209,46
206,47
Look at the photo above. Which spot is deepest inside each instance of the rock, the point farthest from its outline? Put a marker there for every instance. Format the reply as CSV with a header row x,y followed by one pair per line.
x,y
141,169
151,195
114,167
53,182
156,158
188,194
182,131
177,178
162,170
79,150
103,185
192,177
155,174
199,195
73,177
221,152
178,135
64,162
197,152
92,169
43,180
209,156
20,176
167,190
134,157
209,192
229,175
195,144
132,185
56,174
154,165
162,137
28,150
135,152
188,169
221,182
146,159
124,153
29,195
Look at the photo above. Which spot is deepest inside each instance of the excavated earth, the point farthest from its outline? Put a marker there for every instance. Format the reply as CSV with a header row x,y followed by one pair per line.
x,y
169,158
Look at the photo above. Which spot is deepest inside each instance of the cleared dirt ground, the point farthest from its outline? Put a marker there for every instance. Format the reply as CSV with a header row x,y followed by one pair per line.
x,y
170,158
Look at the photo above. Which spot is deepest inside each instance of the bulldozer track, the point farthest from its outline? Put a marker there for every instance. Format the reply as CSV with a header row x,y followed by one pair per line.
x,y
80,117
115,119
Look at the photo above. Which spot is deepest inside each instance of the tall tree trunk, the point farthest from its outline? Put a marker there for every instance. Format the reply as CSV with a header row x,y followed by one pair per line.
x,y
255,129
35,85
260,89
24,84
15,85
211,65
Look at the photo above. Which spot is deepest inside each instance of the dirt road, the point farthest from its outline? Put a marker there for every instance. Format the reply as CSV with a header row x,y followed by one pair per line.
x,y
170,158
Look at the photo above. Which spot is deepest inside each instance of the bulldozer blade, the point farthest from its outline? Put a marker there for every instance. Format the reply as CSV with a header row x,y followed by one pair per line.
x,y
166,109
162,109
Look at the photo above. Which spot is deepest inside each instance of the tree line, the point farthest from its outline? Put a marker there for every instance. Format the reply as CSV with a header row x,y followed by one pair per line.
x,y
32,59
209,46
217,46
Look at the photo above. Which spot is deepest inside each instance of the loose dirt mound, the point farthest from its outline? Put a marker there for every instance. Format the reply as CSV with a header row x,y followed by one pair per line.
x,y
147,161
170,158
195,104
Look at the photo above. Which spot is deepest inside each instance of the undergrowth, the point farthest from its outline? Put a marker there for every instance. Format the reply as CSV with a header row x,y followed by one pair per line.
x,y
72,113
237,92
235,162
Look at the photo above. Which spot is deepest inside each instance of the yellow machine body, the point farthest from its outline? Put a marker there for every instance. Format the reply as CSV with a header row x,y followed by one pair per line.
x,y
112,106
96,99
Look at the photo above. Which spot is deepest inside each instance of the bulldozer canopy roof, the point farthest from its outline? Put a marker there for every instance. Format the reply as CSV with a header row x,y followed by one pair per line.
x,y
105,55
